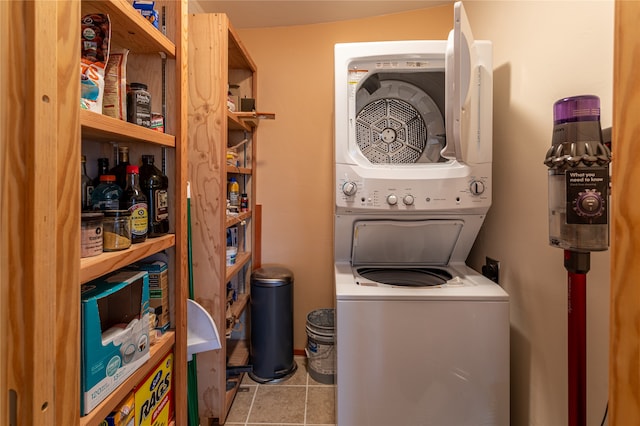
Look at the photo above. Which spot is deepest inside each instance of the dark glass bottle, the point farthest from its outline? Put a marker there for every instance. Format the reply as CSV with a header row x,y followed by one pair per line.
x,y
103,169
134,200
86,185
154,184
120,169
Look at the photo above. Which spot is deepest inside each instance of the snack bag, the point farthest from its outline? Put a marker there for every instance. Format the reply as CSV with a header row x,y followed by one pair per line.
x,y
95,39
114,102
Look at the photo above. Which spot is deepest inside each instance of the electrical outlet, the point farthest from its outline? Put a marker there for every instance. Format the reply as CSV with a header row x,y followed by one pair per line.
x,y
491,269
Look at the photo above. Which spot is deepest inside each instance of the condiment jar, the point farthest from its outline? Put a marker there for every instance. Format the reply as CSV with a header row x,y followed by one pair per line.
x,y
116,230
91,234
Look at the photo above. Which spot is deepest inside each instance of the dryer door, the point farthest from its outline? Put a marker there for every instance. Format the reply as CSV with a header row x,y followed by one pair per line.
x,y
461,96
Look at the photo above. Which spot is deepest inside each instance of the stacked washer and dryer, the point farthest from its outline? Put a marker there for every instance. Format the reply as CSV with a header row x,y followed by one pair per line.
x,y
421,338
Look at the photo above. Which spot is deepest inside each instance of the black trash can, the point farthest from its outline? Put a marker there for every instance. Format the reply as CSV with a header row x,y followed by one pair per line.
x,y
272,324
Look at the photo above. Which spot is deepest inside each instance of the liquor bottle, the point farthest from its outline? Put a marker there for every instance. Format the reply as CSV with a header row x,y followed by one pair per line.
x,y
154,184
86,185
134,200
120,169
106,196
103,169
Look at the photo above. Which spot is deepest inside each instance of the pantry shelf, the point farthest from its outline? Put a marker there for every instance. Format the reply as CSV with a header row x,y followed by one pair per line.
x,y
241,259
234,220
96,266
157,352
129,28
102,128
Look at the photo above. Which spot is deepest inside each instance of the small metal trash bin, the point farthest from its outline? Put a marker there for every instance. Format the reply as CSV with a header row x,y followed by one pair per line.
x,y
272,324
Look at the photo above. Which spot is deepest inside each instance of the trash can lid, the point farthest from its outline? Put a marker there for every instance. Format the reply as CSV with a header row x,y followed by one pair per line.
x,y
272,274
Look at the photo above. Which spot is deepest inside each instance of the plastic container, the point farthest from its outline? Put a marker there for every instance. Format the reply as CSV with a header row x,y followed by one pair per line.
x,y
234,192
116,233
232,252
139,105
91,234
320,348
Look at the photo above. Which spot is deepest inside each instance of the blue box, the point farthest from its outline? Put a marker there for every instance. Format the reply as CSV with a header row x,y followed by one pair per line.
x,y
114,333
147,9
158,290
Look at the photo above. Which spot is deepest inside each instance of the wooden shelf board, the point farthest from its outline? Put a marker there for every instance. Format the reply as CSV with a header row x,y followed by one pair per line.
x,y
159,350
239,170
101,127
129,28
241,259
239,305
97,266
234,220
234,122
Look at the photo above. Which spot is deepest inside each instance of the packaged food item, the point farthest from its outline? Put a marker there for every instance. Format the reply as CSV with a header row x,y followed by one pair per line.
x,y
114,102
91,234
139,105
147,9
95,41
157,122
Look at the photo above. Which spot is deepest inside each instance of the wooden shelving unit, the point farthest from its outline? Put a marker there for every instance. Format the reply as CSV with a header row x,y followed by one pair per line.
x,y
220,60
49,132
158,60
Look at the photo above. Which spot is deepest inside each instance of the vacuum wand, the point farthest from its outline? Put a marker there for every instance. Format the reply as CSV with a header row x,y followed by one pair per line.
x,y
577,265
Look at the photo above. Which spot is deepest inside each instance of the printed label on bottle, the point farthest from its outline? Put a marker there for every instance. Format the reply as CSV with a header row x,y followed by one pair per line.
x,y
139,219
162,205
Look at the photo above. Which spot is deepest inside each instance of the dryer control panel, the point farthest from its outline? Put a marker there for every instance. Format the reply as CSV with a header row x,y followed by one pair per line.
x,y
469,190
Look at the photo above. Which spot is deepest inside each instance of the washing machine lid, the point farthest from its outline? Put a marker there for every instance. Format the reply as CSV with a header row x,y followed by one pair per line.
x,y
408,243
461,96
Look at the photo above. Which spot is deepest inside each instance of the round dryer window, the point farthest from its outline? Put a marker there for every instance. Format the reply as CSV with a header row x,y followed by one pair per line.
x,y
399,124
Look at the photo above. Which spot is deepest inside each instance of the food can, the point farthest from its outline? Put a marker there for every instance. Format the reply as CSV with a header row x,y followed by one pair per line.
x,y
116,230
91,234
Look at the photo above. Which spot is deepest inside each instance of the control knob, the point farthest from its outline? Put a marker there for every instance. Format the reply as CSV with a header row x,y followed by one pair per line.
x,y
408,200
477,187
349,188
589,204
392,200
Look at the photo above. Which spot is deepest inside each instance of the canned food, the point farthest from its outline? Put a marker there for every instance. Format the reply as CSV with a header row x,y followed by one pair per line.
x,y
91,234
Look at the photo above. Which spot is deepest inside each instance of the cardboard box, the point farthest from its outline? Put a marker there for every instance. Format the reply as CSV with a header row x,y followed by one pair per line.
x,y
123,415
114,333
158,291
154,396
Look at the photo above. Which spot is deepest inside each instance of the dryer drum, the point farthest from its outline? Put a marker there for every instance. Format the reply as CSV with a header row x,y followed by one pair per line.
x,y
391,131
398,124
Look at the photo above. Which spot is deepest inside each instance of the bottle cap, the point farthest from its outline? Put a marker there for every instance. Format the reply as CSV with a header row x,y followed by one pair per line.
x,y
132,169
107,178
148,158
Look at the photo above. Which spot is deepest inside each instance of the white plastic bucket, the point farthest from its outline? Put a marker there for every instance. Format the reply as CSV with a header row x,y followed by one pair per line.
x,y
320,348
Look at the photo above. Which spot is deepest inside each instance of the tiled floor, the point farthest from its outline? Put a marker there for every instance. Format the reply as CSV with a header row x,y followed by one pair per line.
x,y
297,401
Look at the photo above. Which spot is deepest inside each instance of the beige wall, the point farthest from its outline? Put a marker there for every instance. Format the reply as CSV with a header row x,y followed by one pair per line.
x,y
543,51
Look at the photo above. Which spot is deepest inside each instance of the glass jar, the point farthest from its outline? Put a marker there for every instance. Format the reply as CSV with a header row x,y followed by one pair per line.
x,y
116,233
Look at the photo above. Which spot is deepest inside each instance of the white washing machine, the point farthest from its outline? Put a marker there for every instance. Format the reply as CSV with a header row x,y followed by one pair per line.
x,y
422,339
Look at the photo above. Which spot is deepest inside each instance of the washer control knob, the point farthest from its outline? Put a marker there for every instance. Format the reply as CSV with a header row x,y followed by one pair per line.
x,y
477,187
392,200
349,188
408,199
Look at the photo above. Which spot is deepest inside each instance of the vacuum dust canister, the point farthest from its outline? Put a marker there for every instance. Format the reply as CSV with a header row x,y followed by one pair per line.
x,y
578,163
